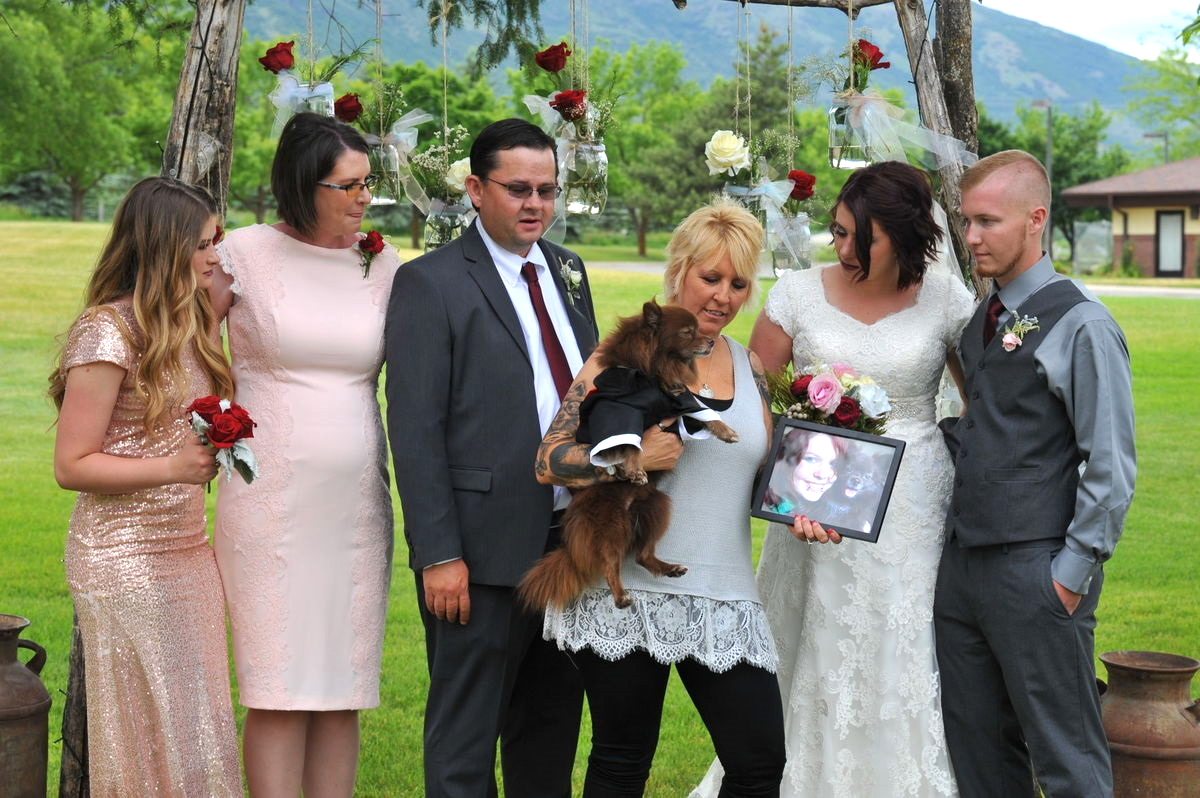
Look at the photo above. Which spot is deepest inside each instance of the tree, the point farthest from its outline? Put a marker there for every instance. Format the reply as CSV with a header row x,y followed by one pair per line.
x,y
1167,99
1079,156
75,104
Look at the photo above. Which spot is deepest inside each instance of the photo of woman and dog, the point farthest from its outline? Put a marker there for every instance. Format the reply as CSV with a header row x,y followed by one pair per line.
x,y
839,478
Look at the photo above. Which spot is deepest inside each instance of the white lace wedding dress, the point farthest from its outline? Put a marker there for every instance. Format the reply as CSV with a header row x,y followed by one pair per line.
x,y
853,623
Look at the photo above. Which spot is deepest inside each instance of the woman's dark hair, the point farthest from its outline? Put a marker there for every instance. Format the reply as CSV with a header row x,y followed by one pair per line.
x,y
897,196
506,134
308,149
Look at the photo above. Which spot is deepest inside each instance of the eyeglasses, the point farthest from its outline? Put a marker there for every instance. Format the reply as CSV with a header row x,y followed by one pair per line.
x,y
352,189
524,191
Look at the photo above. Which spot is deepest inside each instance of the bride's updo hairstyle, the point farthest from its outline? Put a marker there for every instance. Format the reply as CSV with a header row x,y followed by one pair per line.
x,y
709,233
898,197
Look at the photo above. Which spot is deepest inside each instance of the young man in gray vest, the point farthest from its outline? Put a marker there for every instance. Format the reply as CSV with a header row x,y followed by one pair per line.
x,y
1044,473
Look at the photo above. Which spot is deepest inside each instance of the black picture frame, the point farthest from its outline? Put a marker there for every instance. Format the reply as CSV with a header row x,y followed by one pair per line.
x,y
854,503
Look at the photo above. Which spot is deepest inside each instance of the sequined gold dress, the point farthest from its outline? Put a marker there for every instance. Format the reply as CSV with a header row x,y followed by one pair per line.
x,y
305,551
149,602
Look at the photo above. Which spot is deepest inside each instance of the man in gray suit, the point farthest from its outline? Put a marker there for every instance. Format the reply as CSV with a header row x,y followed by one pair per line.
x,y
1044,474
480,336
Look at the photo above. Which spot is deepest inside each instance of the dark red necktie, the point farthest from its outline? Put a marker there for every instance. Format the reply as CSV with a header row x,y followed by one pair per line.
x,y
550,343
994,309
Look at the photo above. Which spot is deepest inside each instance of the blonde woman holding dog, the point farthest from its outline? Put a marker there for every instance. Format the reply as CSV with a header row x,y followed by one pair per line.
x,y
854,623
708,623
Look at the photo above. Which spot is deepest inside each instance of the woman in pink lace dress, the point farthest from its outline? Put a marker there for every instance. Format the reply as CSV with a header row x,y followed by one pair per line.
x,y
305,551
142,575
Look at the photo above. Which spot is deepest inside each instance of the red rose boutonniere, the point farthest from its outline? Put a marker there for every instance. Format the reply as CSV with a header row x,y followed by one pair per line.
x,y
347,108
278,57
368,248
224,425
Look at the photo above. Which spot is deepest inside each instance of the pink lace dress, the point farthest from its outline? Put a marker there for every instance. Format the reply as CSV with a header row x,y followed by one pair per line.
x,y
305,550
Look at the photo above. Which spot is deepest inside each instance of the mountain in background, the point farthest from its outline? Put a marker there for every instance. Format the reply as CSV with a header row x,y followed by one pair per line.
x,y
1016,61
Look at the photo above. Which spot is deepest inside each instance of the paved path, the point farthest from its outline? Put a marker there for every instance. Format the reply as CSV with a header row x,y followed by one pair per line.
x,y
1149,289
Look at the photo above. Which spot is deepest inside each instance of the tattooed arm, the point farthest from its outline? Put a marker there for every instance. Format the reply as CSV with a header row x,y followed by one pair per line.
x,y
563,461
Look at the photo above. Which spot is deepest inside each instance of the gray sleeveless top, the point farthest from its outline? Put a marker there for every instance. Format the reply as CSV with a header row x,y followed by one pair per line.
x,y
712,613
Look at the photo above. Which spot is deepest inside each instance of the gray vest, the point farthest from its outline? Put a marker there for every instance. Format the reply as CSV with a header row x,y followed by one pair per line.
x,y
1016,463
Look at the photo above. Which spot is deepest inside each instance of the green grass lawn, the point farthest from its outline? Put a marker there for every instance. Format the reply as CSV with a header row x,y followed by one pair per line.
x,y
1149,600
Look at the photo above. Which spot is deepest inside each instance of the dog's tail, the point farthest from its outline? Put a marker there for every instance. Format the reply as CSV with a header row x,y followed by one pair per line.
x,y
553,580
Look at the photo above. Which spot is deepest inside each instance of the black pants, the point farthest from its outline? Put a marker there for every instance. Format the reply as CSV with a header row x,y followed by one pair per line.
x,y
740,708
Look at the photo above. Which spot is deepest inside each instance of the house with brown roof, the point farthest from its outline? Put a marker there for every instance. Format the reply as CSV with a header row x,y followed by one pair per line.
x,y
1156,211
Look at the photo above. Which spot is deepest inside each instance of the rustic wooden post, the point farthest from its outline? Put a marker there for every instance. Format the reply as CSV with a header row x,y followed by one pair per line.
x,y
199,142
73,768
934,115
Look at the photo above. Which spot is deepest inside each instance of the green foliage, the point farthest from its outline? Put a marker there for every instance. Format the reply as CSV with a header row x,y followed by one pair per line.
x,y
77,104
1165,99
1129,266
507,23
253,145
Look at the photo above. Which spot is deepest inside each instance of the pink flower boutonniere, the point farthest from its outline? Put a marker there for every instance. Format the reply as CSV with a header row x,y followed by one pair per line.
x,y
368,248
1014,334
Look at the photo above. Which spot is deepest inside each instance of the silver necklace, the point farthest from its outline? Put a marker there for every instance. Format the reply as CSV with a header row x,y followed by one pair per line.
x,y
705,391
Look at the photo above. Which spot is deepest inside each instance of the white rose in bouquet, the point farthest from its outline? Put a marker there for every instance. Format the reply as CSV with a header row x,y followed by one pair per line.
x,y
726,152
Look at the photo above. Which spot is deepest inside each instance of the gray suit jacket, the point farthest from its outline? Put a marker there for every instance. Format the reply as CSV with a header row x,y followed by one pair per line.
x,y
462,419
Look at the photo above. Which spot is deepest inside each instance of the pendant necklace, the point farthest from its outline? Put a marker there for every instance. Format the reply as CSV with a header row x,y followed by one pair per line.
x,y
705,391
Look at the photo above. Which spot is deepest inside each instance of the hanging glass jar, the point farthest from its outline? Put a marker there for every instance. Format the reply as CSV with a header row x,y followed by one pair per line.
x,y
586,178
847,144
444,222
315,97
385,165
790,243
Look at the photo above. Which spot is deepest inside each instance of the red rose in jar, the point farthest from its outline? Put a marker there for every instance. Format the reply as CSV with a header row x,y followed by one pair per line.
x,y
800,386
847,412
278,57
220,234
870,56
224,431
206,407
239,413
802,184
373,243
347,108
570,104
553,58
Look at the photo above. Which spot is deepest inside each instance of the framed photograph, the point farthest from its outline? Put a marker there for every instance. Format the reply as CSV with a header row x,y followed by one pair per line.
x,y
840,478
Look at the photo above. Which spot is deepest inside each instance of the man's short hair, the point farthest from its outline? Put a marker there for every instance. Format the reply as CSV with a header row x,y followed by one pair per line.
x,y
1033,174
507,134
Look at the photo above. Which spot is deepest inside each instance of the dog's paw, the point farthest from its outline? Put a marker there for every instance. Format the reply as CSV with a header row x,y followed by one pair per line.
x,y
622,601
675,570
723,431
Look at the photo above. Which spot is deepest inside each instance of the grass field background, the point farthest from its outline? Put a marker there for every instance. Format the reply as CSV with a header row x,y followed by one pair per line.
x,y
1149,598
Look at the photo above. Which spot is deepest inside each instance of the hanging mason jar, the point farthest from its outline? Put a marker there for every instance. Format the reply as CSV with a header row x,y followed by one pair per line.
x,y
315,97
847,144
791,244
385,165
444,223
586,178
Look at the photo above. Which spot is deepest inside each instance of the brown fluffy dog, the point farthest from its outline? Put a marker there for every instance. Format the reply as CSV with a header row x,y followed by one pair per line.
x,y
651,355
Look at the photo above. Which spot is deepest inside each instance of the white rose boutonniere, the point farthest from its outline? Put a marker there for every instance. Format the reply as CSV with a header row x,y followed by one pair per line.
x,y
572,278
456,175
726,152
1014,334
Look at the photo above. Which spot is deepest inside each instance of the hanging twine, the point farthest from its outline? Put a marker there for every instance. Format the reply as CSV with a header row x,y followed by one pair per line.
x,y
445,88
791,93
311,43
850,41
379,101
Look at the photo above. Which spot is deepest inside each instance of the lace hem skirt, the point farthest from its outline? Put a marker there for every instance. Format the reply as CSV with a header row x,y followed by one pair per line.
x,y
670,627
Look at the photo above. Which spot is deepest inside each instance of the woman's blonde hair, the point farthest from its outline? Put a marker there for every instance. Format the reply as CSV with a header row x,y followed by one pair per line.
x,y
148,257
720,228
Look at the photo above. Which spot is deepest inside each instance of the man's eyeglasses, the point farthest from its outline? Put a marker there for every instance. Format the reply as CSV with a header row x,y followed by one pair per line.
x,y
352,189
525,191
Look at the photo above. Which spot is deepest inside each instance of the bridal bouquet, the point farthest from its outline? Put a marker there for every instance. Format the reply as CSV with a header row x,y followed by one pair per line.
x,y
225,425
831,394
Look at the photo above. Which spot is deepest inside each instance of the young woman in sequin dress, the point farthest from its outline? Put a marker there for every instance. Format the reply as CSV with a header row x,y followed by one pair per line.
x,y
143,577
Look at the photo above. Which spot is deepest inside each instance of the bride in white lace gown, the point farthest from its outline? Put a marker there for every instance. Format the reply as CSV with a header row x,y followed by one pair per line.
x,y
853,623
